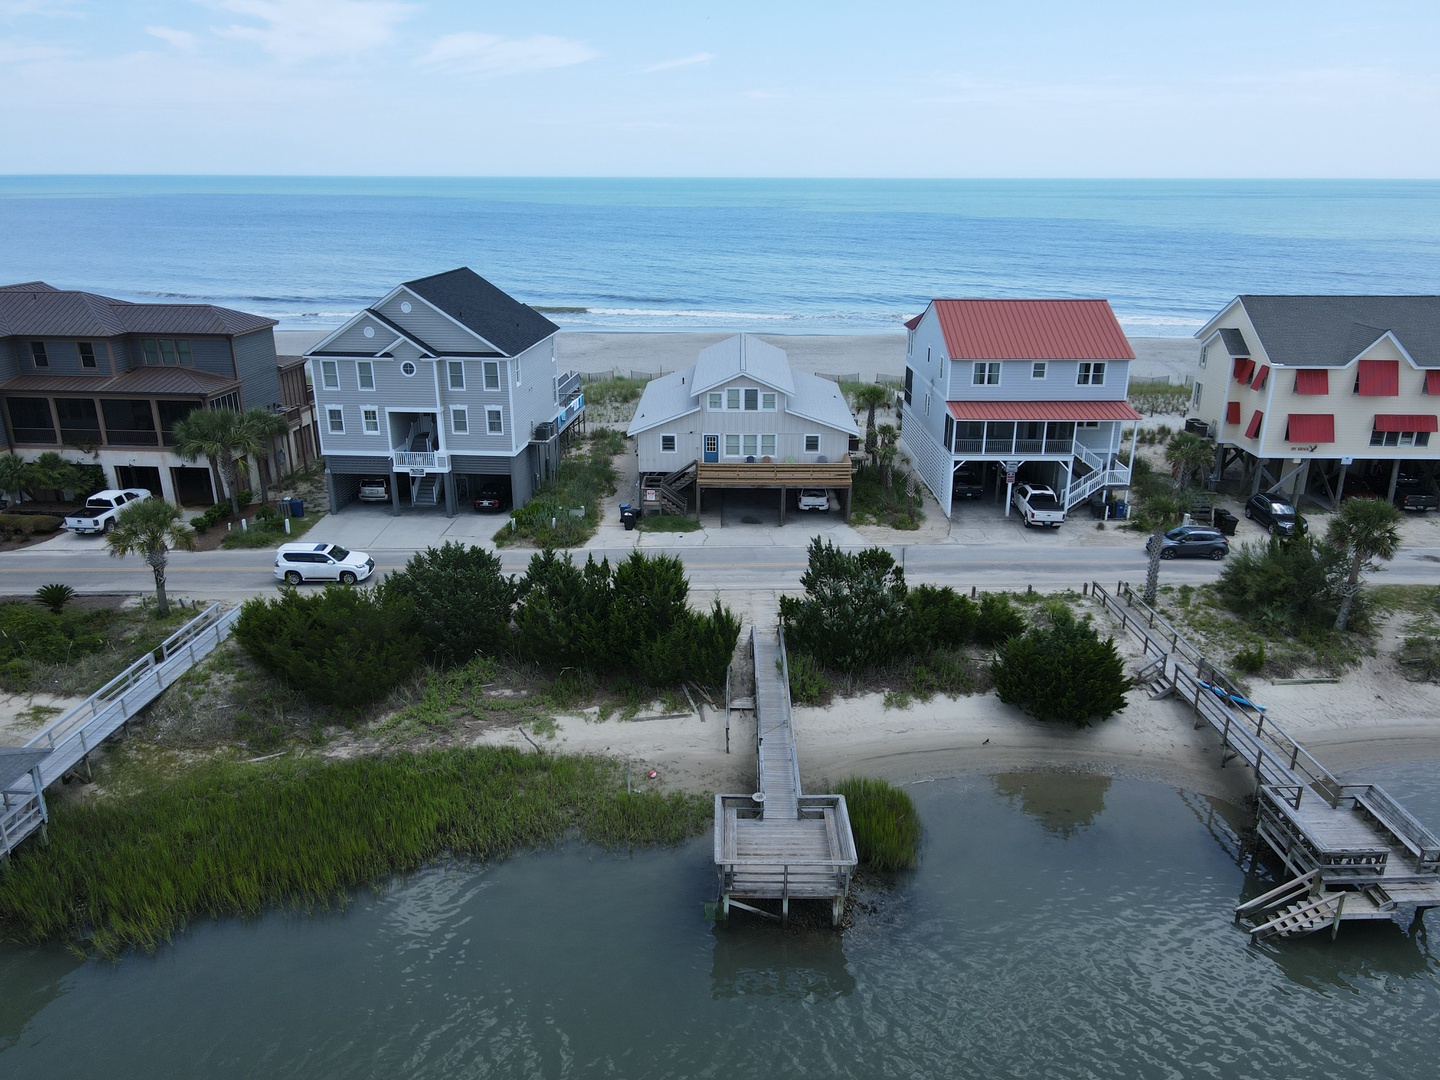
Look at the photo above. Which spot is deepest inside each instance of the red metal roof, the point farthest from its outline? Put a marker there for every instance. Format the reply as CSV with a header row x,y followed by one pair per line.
x,y
1042,410
1310,427
1403,422
1379,378
1031,330
1313,382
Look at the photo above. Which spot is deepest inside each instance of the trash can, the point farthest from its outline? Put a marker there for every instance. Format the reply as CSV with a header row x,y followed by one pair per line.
x,y
1119,510
1225,521
627,518
625,508
297,507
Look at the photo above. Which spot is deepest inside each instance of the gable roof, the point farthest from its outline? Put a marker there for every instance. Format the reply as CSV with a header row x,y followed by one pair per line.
x,y
1331,331
1031,330
140,381
35,309
742,355
480,307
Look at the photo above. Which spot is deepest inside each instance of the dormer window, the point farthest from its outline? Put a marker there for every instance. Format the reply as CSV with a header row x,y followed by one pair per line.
x,y
87,354
166,352
37,354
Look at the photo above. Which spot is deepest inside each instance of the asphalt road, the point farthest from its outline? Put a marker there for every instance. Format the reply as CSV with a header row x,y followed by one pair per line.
x,y
234,575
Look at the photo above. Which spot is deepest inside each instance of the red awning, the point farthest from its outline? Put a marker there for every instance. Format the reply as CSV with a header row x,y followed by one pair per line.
x,y
1314,381
1042,410
1244,368
1432,382
1379,378
1254,427
1403,422
1310,427
1232,412
1260,377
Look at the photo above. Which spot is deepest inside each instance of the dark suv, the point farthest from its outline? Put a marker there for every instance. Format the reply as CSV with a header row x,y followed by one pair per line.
x,y
967,484
1276,514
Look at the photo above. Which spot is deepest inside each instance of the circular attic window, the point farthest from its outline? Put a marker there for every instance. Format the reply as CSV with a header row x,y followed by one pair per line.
x,y
405,306
407,368
369,331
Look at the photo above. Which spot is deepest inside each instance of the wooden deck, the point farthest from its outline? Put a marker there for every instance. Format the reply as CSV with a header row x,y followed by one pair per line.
x,y
779,844
1356,852
831,474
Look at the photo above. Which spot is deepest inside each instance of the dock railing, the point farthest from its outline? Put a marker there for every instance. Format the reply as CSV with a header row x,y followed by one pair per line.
x,y
785,698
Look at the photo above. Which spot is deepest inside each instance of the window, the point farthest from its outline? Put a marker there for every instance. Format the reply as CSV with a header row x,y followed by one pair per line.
x,y
812,444
927,355
494,422
335,418
732,445
986,375
767,445
751,445
456,369
365,374
1037,370
87,354
459,420
1399,438
37,353
909,384
1195,396
330,374
732,399
1091,374
491,370
752,400
408,369
767,402
166,351
229,401
667,444
717,401
370,420
927,403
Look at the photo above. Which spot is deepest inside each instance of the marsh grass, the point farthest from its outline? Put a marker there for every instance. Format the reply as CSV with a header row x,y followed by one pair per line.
x,y
167,847
885,822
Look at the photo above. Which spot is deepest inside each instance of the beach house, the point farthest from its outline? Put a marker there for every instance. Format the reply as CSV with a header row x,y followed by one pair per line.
x,y
1317,395
739,417
101,380
1030,390
441,387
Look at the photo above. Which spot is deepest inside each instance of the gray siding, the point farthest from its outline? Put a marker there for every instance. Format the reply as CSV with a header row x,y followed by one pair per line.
x,y
255,367
353,341
1016,383
8,367
531,382
432,327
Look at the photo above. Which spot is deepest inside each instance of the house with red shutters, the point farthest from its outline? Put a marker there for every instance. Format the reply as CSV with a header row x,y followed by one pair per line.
x,y
1314,395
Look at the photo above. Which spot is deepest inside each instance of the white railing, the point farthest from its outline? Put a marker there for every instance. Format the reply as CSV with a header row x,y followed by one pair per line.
x,y
416,459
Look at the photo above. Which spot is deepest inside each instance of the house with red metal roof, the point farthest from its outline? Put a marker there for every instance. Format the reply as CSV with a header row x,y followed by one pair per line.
x,y
1317,395
1029,390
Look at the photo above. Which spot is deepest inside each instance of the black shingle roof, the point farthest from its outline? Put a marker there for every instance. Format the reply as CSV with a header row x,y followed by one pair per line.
x,y
1329,331
35,309
470,300
1234,341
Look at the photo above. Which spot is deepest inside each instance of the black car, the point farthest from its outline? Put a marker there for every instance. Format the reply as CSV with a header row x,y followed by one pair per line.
x,y
1412,493
966,484
1277,514
1193,542
490,498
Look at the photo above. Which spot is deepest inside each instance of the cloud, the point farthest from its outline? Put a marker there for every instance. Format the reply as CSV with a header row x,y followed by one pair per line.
x,y
470,53
295,30
684,61
181,39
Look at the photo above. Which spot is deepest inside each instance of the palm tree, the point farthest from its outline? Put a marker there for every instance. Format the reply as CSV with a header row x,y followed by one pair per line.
x,y
870,397
1364,529
886,450
1189,456
150,528
1164,510
15,475
267,426
51,472
216,435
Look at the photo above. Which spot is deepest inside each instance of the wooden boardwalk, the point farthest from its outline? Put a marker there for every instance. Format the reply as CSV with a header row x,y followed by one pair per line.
x,y
71,738
779,844
1356,853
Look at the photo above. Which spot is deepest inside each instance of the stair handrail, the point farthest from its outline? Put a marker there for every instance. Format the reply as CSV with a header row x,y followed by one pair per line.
x,y
1281,894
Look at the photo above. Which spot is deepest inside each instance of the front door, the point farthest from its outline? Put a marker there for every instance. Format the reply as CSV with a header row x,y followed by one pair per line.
x,y
712,448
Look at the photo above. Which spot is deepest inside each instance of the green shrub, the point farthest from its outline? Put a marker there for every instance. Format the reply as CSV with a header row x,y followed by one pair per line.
x,y
14,676
37,637
461,601
607,441
809,682
1284,585
30,524
1062,672
343,647
54,596
885,823
582,480
1251,659
997,620
853,616
941,617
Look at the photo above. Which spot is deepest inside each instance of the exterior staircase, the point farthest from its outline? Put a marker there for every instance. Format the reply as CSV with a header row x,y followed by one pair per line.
x,y
425,491
669,488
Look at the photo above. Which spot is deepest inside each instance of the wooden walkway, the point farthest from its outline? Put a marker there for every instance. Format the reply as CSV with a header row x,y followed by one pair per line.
x,y
72,737
778,843
1355,852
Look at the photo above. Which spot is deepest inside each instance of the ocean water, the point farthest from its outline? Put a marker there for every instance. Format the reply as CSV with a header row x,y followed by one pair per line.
x,y
780,256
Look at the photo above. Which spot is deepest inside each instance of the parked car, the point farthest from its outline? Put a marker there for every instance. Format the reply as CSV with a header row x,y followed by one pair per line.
x,y
966,483
814,499
1038,505
490,498
1412,493
102,508
1276,514
1193,542
296,563
375,489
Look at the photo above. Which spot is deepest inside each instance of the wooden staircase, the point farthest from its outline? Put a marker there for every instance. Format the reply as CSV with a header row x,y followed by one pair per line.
x,y
669,489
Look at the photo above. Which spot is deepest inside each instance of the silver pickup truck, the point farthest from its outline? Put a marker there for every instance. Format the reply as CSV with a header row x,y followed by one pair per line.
x,y
102,508
1038,506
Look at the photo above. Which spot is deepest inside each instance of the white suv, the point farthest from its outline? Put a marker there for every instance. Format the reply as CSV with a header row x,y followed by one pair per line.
x,y
814,499
295,563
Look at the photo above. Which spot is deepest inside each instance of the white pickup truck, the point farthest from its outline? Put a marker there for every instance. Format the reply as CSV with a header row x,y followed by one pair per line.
x,y
1038,506
102,508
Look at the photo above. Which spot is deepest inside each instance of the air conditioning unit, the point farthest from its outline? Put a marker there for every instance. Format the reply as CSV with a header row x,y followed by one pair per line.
x,y
544,432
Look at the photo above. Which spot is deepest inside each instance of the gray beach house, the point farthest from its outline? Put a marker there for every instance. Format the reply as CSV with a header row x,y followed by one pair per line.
x,y
101,380
443,385
740,418
1018,389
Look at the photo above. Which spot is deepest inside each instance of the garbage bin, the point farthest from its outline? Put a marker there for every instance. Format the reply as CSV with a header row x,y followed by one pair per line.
x,y
627,518
625,508
1119,510
297,507
1225,521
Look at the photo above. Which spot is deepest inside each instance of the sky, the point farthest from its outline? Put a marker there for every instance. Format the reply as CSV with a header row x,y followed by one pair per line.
x,y
766,88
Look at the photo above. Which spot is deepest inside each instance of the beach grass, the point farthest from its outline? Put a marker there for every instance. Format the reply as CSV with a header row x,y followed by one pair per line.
x,y
885,823
565,512
1158,396
166,847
